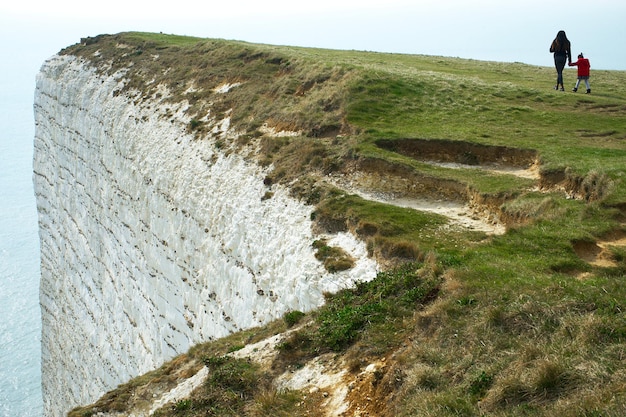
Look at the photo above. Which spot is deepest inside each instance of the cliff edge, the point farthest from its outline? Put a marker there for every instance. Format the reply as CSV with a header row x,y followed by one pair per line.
x,y
153,241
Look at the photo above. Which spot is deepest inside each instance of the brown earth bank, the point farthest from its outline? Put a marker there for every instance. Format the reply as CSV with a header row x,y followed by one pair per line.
x,y
467,153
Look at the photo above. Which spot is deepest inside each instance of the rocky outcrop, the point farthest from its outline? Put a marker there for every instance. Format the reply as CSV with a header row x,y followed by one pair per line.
x,y
153,240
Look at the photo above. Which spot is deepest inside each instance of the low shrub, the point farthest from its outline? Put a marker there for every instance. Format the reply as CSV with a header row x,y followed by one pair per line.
x,y
390,295
335,259
292,318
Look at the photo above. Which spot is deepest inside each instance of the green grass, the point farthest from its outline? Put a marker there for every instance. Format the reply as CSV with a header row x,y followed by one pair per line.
x,y
235,387
520,324
391,295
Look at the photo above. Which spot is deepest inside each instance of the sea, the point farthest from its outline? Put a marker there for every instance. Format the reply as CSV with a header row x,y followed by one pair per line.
x,y
20,315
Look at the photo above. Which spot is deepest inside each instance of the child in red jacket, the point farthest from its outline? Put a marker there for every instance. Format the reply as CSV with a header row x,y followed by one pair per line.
x,y
583,72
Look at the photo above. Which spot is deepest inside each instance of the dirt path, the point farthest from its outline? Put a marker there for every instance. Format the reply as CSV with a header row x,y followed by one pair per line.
x,y
530,173
459,214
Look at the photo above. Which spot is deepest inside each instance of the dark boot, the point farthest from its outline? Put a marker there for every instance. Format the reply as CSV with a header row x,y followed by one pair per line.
x,y
589,91
574,89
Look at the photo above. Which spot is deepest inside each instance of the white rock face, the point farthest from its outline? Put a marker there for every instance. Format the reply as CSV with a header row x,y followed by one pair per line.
x,y
151,240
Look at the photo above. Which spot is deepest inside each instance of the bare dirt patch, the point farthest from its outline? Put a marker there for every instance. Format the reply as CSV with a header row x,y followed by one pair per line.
x,y
599,253
531,172
458,213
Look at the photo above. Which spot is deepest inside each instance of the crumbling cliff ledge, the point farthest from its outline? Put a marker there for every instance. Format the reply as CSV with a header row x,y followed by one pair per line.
x,y
151,240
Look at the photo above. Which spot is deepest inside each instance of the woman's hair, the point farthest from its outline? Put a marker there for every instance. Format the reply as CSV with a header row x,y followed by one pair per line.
x,y
561,42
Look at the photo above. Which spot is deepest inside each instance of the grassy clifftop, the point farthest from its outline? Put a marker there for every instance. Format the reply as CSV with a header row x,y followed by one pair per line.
x,y
531,321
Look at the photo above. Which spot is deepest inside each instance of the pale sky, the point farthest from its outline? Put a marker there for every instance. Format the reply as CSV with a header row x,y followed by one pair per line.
x,y
493,30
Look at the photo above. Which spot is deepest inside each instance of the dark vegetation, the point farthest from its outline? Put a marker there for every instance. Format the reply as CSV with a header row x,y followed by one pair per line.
x,y
527,323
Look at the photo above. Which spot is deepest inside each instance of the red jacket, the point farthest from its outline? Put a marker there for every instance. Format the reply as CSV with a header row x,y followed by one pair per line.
x,y
583,67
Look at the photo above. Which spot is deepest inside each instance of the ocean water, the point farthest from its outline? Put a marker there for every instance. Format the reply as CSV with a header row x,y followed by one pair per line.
x,y
20,317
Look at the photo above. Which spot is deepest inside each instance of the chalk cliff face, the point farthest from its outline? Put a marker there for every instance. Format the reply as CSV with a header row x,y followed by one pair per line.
x,y
152,240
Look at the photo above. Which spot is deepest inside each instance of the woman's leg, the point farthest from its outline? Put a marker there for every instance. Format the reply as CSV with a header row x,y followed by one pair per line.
x,y
559,63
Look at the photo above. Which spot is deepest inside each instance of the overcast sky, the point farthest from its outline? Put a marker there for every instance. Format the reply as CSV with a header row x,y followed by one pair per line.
x,y
495,30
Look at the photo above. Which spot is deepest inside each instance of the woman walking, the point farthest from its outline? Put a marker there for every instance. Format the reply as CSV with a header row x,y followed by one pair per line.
x,y
562,52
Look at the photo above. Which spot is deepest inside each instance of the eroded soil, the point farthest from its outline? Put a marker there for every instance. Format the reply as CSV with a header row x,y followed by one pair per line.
x,y
460,152
405,188
459,213
600,253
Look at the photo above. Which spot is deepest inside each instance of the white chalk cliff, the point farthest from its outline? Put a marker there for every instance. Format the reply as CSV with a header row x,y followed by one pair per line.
x,y
153,240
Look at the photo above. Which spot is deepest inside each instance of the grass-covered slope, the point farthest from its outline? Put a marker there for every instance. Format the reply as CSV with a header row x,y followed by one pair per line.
x,y
529,322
